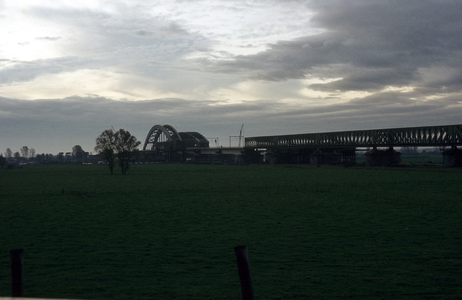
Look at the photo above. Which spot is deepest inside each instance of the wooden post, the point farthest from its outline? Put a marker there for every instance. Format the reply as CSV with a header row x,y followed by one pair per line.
x,y
17,272
243,269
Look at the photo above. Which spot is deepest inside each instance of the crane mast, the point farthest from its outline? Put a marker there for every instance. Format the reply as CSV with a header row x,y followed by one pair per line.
x,y
240,135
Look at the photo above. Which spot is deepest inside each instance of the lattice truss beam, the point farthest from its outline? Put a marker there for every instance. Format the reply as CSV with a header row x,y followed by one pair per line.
x,y
448,135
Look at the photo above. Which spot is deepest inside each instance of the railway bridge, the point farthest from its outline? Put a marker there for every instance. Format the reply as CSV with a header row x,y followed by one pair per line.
x,y
341,147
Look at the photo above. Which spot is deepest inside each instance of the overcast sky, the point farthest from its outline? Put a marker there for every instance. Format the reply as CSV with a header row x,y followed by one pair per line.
x,y
71,69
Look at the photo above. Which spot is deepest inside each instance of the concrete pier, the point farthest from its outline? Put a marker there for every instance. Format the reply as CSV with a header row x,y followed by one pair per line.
x,y
452,158
385,158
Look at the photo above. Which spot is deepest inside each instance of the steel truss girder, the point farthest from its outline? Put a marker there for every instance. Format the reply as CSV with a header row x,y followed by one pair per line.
x,y
446,135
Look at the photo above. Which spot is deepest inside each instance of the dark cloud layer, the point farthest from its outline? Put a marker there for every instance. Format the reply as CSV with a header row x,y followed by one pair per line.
x,y
57,125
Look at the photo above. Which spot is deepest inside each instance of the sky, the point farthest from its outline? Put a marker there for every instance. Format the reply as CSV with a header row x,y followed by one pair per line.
x,y
71,69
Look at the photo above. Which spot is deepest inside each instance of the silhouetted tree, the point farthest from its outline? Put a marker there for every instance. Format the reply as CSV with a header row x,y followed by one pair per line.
x,y
126,145
49,157
31,152
40,158
78,153
17,155
8,153
120,143
105,147
24,151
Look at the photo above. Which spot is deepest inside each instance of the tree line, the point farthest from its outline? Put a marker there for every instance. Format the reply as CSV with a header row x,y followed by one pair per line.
x,y
26,154
113,146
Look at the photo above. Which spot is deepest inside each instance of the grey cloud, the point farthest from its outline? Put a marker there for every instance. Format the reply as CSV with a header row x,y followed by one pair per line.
x,y
98,40
370,44
100,25
28,70
450,84
128,39
48,38
413,25
143,33
172,30
367,80
381,110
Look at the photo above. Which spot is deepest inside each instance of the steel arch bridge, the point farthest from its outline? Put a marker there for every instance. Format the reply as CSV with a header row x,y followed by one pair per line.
x,y
167,137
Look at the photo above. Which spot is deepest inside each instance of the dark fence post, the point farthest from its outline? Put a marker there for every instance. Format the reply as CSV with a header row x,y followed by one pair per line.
x,y
17,272
243,269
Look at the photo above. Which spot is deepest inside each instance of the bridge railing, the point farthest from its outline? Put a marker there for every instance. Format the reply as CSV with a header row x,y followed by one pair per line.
x,y
446,135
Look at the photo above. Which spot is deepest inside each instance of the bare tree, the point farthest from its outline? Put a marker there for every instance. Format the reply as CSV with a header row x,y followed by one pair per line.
x,y
105,146
126,145
120,143
24,151
32,153
8,153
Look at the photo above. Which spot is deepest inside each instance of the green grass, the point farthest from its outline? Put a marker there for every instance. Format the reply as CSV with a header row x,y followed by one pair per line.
x,y
168,231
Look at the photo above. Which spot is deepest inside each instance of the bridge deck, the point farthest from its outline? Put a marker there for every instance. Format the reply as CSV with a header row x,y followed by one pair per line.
x,y
446,135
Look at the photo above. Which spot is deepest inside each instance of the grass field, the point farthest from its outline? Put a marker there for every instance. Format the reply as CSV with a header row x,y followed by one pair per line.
x,y
168,231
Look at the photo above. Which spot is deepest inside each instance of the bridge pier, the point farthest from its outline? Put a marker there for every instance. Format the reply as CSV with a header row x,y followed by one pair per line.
x,y
333,157
288,156
349,156
312,157
452,157
319,157
382,158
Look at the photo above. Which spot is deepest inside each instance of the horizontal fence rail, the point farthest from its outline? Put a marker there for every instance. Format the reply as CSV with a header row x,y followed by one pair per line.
x,y
447,135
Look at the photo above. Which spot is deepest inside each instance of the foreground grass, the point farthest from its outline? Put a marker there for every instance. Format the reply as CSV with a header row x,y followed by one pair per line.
x,y
168,231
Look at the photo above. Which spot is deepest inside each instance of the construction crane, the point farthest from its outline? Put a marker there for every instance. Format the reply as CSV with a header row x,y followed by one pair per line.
x,y
240,135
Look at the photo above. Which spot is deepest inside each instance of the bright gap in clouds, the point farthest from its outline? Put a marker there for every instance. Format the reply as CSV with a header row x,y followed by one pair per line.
x,y
109,45
23,38
88,82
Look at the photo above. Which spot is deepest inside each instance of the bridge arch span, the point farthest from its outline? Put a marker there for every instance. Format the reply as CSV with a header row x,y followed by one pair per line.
x,y
168,136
